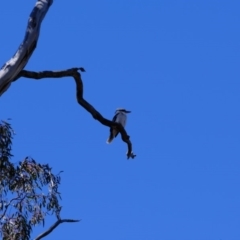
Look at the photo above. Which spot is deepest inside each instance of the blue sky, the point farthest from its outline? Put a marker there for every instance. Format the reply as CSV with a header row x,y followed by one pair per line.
x,y
175,65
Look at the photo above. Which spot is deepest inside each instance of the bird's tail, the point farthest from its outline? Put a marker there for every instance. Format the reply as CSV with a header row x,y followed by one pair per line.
x,y
111,136
109,140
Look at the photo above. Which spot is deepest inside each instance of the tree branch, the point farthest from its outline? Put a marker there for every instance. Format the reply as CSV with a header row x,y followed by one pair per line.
x,y
44,234
6,207
11,69
73,72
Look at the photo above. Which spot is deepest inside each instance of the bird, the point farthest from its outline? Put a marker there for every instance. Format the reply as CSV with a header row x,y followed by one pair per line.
x,y
119,117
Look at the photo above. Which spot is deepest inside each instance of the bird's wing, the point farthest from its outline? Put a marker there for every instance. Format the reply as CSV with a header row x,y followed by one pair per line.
x,y
114,120
115,117
114,131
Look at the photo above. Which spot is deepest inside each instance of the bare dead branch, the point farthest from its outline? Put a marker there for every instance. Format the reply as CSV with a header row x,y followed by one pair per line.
x,y
11,69
44,234
74,72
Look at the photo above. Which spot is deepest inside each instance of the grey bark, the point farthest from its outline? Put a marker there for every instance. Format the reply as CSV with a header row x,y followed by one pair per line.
x,y
11,69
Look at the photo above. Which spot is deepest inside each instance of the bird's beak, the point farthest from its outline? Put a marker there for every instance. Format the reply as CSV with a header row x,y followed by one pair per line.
x,y
128,111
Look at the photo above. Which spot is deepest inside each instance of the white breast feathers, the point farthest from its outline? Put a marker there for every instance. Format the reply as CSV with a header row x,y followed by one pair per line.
x,y
121,118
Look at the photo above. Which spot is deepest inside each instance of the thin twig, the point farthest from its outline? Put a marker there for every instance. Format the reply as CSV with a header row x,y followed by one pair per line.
x,y
6,207
44,234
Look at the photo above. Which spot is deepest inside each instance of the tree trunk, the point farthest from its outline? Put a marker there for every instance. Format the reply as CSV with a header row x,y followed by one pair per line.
x,y
13,67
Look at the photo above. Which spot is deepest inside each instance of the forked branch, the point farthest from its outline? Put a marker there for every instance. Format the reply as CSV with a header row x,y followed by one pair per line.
x,y
74,72
59,221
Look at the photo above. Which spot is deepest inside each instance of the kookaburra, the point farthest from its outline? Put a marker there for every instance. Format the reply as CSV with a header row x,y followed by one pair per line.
x,y
119,117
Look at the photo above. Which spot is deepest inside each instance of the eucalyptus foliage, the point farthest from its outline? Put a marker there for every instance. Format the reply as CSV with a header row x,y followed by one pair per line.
x,y
28,191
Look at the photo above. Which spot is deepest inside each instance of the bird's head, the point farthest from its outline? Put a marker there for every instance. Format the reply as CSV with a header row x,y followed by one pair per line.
x,y
122,110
